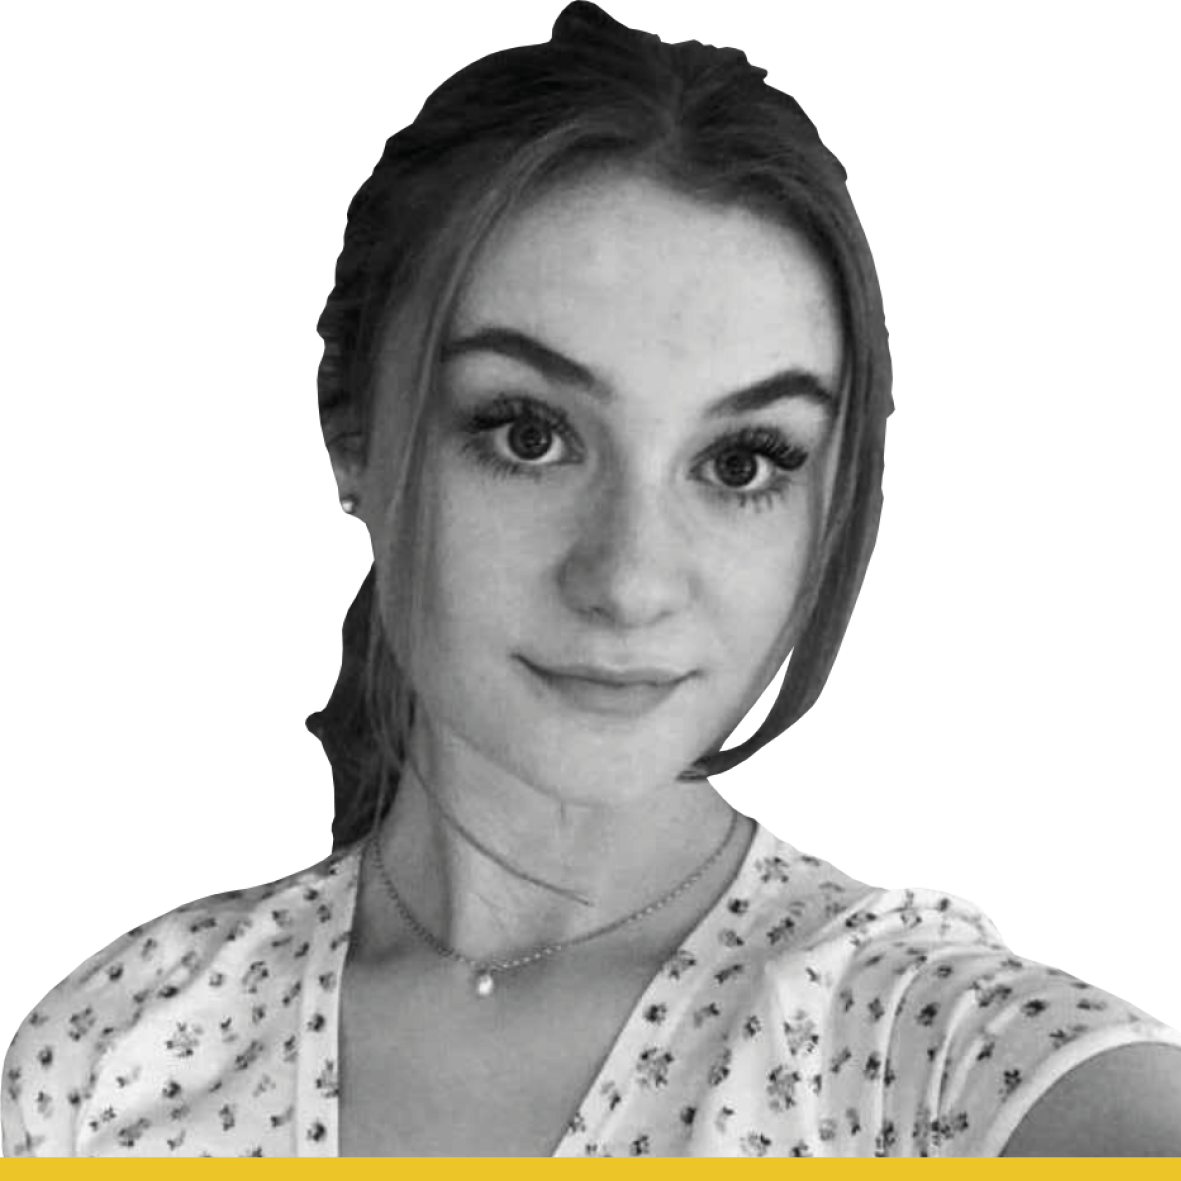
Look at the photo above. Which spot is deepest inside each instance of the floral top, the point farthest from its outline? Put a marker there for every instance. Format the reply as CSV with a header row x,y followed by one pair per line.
x,y
807,1014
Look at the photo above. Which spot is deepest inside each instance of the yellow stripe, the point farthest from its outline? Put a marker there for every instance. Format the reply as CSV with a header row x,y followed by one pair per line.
x,y
502,1169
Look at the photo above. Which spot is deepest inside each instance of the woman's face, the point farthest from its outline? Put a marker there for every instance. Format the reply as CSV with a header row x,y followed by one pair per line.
x,y
594,505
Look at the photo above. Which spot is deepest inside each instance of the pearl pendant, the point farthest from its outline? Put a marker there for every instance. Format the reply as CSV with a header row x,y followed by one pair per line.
x,y
484,984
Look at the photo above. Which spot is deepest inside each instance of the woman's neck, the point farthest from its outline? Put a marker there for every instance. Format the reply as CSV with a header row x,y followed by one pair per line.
x,y
618,859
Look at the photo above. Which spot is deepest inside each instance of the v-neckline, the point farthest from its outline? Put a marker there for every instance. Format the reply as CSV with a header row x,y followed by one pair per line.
x,y
332,959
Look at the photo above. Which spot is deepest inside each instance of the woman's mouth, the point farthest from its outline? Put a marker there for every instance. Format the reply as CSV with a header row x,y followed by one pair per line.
x,y
604,698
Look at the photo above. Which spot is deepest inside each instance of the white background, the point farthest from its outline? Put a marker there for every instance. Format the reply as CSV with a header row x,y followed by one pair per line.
x,y
1002,719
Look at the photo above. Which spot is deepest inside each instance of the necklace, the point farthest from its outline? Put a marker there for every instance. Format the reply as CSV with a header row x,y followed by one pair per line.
x,y
483,981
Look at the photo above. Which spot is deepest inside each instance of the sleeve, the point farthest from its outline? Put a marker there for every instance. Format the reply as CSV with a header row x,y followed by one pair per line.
x,y
963,1036
941,1038
50,1065
992,1033
53,1075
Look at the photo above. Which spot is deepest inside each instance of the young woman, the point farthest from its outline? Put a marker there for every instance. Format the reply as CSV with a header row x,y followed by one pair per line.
x,y
606,377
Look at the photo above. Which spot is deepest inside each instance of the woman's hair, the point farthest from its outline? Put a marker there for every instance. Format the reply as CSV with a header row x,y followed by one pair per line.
x,y
702,121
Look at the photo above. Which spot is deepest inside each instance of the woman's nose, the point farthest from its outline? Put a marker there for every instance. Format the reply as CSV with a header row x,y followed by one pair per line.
x,y
629,557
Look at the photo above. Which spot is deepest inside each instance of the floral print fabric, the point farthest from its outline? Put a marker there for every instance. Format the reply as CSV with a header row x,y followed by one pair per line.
x,y
807,1014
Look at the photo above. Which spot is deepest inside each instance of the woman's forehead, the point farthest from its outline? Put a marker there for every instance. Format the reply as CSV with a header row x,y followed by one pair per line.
x,y
624,272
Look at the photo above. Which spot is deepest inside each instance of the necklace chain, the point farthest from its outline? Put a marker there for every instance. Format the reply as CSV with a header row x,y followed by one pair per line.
x,y
483,969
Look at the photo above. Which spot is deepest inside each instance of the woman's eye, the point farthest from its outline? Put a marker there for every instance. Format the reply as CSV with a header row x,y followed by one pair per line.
x,y
513,436
736,458
532,427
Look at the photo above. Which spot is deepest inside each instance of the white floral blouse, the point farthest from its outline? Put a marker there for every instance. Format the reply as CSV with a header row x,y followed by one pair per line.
x,y
807,1014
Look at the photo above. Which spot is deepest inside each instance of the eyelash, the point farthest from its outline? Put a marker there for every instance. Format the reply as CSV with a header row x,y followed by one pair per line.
x,y
505,410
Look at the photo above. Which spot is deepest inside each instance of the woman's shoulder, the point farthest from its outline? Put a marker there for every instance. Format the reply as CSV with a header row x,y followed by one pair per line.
x,y
816,921
908,1002
159,955
229,939
802,907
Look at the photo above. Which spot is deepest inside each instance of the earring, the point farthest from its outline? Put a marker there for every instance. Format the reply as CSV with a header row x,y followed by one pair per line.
x,y
349,503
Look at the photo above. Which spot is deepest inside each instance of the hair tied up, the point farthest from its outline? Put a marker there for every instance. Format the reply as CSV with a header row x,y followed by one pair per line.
x,y
582,21
343,726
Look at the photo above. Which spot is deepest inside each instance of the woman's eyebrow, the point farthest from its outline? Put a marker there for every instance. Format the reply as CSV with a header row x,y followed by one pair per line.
x,y
519,346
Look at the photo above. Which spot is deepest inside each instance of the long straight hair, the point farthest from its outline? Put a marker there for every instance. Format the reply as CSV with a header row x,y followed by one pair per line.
x,y
598,95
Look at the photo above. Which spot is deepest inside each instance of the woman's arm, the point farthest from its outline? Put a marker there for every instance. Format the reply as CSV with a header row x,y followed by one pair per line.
x,y
1123,1102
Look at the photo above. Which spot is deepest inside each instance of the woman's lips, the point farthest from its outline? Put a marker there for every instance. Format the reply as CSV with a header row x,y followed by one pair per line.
x,y
623,701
